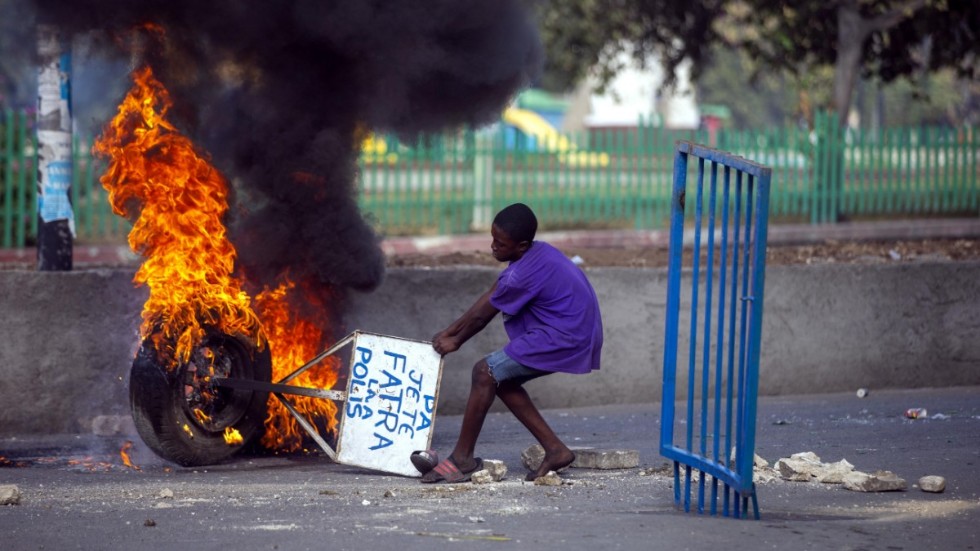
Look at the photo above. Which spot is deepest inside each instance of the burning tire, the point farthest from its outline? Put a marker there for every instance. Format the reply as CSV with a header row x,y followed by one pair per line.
x,y
183,416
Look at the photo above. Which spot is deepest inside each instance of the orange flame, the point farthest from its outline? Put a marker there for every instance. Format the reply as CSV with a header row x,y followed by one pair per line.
x,y
201,416
181,200
124,454
295,340
178,200
232,436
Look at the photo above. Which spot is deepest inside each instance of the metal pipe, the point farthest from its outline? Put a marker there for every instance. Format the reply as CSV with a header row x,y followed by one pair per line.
x,y
261,386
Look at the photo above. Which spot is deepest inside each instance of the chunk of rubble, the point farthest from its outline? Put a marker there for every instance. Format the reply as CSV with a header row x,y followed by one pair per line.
x,y
834,473
806,456
551,478
493,470
932,484
757,460
586,458
807,466
481,477
879,481
496,468
532,456
9,494
799,467
764,475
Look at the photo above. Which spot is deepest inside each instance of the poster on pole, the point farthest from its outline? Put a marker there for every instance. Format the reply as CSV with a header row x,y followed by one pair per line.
x,y
54,131
391,403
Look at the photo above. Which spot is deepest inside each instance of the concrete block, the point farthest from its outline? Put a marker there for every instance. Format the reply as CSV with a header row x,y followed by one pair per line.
x,y
586,458
606,459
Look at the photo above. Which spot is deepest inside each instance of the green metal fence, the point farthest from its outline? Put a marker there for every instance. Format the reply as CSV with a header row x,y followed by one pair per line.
x,y
17,168
608,178
621,178
94,220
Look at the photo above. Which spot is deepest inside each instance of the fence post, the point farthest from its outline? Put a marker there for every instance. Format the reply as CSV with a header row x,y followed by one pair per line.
x,y
483,182
54,152
7,155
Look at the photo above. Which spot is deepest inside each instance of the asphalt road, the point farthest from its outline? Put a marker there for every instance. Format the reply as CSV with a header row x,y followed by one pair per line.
x,y
76,494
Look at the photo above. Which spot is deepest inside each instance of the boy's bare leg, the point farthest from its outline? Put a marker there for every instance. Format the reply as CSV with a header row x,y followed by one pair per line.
x,y
556,453
482,394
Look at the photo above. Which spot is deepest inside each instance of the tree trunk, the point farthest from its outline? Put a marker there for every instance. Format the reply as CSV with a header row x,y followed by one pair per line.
x,y
852,31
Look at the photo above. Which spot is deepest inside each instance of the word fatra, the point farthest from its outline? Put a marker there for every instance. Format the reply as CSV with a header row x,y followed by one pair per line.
x,y
389,393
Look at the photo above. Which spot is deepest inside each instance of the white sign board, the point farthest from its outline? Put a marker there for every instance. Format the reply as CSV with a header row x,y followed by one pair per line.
x,y
391,403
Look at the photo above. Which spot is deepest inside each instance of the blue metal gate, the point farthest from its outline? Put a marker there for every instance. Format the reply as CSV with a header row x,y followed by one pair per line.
x,y
722,312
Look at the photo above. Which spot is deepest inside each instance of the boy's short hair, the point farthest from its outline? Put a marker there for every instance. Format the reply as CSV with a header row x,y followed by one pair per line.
x,y
518,222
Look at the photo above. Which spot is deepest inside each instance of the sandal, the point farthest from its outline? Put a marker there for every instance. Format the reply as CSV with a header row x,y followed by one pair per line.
x,y
447,471
424,460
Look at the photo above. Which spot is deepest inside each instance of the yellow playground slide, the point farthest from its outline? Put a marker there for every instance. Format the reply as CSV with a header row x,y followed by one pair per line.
x,y
549,139
374,149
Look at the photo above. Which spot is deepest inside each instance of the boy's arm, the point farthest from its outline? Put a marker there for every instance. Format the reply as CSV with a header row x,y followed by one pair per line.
x,y
470,323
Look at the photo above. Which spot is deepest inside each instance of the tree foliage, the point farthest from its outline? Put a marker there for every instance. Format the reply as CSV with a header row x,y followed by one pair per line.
x,y
587,35
778,98
883,39
17,45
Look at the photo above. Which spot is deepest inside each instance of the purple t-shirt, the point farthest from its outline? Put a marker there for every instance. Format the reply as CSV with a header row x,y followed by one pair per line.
x,y
551,313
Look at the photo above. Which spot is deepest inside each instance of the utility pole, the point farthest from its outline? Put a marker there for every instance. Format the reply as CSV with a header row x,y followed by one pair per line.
x,y
56,220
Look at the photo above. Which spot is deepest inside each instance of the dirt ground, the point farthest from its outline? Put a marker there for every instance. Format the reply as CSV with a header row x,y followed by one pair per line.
x,y
826,252
867,252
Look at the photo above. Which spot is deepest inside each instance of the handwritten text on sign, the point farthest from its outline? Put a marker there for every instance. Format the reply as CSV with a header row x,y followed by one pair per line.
x,y
391,401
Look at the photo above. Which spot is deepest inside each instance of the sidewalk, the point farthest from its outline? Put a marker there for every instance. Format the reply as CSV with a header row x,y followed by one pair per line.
x,y
120,255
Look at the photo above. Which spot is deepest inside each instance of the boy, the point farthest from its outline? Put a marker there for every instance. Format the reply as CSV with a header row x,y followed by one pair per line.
x,y
552,318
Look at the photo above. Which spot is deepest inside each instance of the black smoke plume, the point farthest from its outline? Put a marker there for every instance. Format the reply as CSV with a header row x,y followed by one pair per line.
x,y
281,93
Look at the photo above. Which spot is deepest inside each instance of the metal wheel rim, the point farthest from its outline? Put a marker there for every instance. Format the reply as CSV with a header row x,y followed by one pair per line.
x,y
208,406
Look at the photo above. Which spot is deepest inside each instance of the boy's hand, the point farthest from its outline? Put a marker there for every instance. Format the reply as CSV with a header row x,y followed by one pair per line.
x,y
444,344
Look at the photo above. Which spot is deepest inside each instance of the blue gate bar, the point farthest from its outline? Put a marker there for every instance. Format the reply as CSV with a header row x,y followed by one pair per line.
x,y
729,356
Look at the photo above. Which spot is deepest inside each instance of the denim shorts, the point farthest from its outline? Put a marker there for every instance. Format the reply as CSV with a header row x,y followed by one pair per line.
x,y
503,368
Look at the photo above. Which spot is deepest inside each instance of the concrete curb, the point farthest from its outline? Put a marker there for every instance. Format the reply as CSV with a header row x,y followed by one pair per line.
x,y
70,337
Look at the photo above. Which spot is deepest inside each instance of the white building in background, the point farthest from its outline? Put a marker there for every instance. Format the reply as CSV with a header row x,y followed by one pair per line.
x,y
633,95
